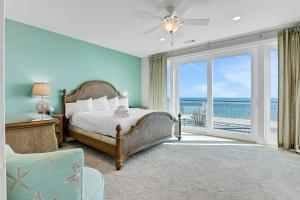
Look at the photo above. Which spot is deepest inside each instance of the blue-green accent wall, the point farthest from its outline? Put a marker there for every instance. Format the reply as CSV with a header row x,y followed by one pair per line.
x,y
36,55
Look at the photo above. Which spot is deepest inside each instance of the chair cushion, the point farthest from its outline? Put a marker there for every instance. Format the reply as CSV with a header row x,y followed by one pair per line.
x,y
93,184
53,175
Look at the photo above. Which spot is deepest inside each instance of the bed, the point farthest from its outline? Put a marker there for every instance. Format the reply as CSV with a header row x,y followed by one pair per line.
x,y
149,128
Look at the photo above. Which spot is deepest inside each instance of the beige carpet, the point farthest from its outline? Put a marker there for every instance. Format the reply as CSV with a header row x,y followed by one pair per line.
x,y
200,168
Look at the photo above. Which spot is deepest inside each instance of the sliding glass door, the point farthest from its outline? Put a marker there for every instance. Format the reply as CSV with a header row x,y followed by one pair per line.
x,y
193,93
228,93
232,105
271,135
213,94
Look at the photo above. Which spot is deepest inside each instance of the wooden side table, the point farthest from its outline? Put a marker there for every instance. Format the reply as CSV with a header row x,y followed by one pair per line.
x,y
28,135
59,128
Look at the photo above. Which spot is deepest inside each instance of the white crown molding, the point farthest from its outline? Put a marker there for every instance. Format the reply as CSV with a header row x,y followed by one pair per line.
x,y
262,35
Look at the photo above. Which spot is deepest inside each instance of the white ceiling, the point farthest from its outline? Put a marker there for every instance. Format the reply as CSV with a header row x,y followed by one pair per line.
x,y
116,24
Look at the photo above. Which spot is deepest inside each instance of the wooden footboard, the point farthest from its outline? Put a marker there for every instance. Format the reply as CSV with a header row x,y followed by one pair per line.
x,y
151,129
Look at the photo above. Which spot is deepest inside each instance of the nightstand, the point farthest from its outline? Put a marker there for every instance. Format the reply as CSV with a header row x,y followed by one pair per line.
x,y
28,133
59,128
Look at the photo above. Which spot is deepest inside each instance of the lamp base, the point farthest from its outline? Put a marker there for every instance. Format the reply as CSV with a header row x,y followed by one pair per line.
x,y
42,107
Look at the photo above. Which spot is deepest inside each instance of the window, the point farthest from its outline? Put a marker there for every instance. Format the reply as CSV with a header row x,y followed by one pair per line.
x,y
223,93
193,93
273,64
169,85
232,93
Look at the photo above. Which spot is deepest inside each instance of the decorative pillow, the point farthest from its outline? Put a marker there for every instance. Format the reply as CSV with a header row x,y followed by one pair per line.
x,y
100,104
113,103
79,106
124,102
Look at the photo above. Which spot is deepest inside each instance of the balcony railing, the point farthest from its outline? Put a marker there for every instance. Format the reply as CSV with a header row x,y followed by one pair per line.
x,y
230,115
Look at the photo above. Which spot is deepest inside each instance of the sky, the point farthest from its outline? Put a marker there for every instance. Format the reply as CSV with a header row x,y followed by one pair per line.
x,y
274,74
231,77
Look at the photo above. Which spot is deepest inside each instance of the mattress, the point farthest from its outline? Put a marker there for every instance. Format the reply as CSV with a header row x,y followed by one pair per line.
x,y
104,122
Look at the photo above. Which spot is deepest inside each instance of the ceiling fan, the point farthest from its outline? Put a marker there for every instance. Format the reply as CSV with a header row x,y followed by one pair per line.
x,y
173,20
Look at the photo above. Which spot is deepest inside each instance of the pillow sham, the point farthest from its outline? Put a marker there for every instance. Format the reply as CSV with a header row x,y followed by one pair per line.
x,y
113,103
100,104
79,106
124,102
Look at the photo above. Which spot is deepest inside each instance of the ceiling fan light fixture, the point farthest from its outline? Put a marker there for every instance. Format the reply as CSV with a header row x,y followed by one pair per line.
x,y
172,24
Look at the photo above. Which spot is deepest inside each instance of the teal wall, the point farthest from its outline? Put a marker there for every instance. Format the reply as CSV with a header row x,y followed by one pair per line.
x,y
34,55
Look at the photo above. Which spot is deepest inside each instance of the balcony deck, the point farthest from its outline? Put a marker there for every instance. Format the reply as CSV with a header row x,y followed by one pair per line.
x,y
228,115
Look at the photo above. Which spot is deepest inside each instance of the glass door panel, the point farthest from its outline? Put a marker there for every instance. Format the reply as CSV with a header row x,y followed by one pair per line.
x,y
271,137
193,93
169,85
232,94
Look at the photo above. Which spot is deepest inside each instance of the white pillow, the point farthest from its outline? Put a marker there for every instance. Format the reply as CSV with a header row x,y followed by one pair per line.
x,y
100,104
86,100
113,103
79,106
124,102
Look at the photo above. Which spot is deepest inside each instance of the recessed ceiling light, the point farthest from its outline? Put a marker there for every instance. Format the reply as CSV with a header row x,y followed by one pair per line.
x,y
162,39
236,18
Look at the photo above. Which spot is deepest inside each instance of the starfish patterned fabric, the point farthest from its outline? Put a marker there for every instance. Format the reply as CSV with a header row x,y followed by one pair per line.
x,y
38,196
75,178
17,180
45,176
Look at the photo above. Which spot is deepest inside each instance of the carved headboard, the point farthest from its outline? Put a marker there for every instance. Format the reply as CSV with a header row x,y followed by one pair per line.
x,y
90,89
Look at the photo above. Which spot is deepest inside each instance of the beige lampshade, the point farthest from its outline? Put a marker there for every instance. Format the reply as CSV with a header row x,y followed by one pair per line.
x,y
41,90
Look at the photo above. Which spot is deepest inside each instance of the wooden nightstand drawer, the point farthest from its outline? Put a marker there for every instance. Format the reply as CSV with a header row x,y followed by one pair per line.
x,y
58,121
59,128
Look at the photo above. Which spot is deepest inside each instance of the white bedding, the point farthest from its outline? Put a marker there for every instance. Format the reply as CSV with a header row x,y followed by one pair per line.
x,y
103,121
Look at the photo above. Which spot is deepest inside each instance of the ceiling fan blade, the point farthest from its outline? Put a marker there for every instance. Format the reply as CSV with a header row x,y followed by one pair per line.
x,y
148,14
152,29
196,22
182,8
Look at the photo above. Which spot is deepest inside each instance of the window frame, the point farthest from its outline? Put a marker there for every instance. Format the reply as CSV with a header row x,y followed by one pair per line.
x,y
267,97
257,60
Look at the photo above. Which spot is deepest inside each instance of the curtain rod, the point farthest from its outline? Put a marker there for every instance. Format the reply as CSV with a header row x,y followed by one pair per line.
x,y
158,54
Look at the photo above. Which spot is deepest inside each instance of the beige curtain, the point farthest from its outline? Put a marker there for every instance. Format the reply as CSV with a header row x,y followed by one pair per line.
x,y
158,82
289,88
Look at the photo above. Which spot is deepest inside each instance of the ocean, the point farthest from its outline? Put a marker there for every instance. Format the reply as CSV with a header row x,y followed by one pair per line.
x,y
238,108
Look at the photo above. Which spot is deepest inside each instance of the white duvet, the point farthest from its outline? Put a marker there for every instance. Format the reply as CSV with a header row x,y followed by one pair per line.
x,y
104,122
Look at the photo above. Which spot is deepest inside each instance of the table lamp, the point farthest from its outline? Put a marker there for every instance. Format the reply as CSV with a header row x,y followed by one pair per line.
x,y
41,90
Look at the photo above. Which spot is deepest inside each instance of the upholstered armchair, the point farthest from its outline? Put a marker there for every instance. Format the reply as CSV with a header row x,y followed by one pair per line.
x,y
51,176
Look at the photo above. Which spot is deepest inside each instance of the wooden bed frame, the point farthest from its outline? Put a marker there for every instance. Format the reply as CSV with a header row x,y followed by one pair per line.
x,y
151,129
